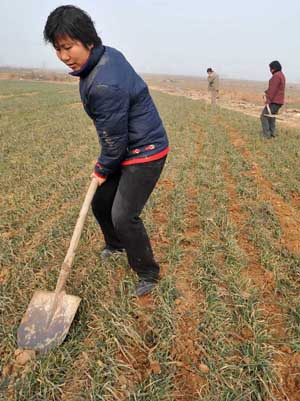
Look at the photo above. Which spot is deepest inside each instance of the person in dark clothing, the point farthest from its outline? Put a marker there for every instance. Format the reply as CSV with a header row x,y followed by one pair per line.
x,y
134,143
274,99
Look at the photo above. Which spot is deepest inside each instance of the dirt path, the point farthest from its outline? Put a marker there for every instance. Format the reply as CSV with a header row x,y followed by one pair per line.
x,y
290,117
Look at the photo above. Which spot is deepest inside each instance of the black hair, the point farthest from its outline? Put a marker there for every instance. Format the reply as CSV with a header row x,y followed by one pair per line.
x,y
209,70
73,22
275,65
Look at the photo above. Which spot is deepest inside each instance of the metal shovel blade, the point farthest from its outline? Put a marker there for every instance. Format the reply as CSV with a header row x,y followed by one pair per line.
x,y
40,328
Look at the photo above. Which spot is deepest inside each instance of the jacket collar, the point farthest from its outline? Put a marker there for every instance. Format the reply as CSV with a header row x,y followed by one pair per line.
x,y
94,57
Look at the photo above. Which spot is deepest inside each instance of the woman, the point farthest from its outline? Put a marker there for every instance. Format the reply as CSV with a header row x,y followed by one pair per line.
x,y
134,143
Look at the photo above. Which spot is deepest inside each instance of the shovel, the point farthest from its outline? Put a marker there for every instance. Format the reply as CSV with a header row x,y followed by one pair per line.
x,y
49,315
272,115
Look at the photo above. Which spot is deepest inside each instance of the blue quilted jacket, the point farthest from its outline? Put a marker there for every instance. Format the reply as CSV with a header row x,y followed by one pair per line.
x,y
118,101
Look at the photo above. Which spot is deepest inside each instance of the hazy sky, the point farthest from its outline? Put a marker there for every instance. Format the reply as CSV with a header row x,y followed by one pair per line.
x,y
237,38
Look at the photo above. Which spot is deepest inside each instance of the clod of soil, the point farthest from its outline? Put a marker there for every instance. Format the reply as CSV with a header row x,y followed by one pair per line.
x,y
155,367
24,356
204,368
286,349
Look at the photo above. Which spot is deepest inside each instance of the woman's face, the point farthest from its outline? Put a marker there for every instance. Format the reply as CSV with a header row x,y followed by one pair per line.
x,y
72,52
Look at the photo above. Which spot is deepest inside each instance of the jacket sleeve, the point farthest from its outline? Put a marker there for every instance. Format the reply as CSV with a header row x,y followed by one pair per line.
x,y
272,89
110,106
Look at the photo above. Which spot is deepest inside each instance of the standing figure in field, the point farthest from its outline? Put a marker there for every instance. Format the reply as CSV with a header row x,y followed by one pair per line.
x,y
274,99
134,143
213,85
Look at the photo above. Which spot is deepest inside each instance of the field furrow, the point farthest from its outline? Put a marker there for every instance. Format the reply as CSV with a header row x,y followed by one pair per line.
x,y
289,217
224,320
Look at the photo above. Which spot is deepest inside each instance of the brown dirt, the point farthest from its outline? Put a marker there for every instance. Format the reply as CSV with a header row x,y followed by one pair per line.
x,y
20,365
6,75
245,97
286,368
136,358
288,217
295,199
78,378
186,353
258,276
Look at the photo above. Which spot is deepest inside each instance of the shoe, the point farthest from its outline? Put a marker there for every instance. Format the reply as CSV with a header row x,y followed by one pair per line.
x,y
108,252
143,287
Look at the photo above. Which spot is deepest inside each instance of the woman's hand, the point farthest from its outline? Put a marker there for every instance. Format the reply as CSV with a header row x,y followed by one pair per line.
x,y
99,179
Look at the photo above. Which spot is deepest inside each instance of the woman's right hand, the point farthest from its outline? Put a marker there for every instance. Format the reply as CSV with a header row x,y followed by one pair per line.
x,y
100,180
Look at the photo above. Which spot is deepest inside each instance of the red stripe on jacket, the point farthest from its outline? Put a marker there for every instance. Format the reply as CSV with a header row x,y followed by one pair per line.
x,y
146,159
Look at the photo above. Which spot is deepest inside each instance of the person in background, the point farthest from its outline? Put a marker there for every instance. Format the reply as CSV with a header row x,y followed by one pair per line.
x,y
213,85
134,143
274,99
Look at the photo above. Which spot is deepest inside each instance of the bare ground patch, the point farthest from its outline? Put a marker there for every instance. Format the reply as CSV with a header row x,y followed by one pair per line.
x,y
243,102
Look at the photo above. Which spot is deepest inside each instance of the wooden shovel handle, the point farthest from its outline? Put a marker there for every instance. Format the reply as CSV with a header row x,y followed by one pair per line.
x,y
67,263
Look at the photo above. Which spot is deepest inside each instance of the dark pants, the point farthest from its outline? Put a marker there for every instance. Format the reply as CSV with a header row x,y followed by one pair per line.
x,y
269,123
117,206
